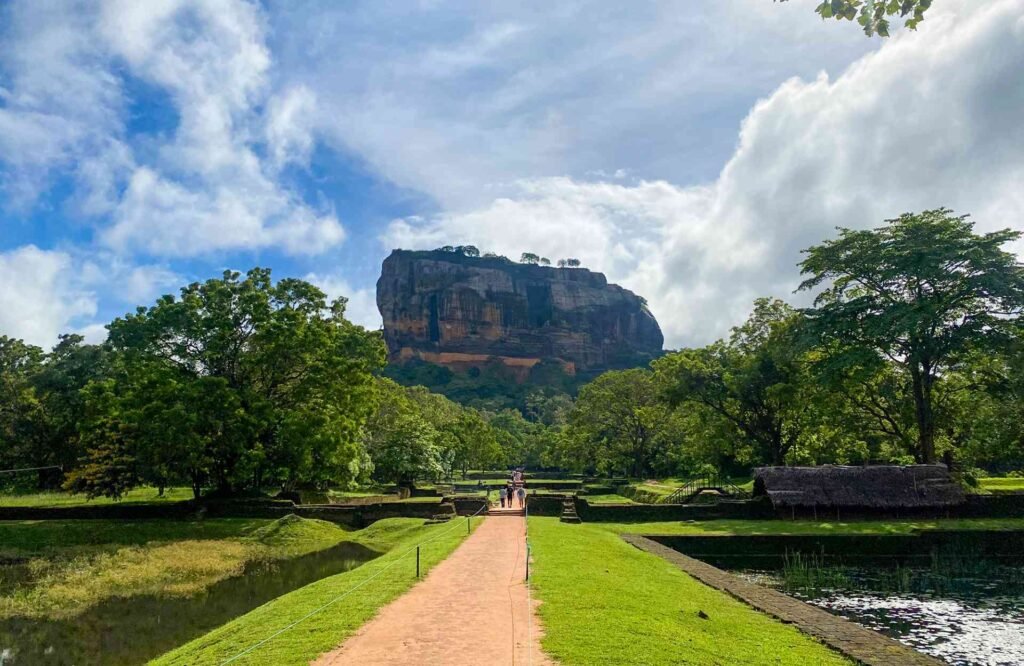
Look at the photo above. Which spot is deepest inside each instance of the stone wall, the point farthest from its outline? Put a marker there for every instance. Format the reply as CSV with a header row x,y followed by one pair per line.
x,y
544,505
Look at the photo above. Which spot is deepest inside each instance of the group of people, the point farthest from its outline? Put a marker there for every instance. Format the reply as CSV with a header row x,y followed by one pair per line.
x,y
513,489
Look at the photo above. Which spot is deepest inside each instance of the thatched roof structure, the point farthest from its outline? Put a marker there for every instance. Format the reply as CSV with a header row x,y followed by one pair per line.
x,y
866,487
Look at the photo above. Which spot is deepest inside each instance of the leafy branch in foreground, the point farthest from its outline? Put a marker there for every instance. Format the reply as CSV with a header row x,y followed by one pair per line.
x,y
873,15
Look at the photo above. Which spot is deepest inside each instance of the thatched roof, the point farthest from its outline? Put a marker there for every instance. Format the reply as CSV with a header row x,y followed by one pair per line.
x,y
868,487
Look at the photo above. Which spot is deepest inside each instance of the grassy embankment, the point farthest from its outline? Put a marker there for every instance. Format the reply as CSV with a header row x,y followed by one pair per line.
x,y
385,578
1002,484
58,498
73,565
606,602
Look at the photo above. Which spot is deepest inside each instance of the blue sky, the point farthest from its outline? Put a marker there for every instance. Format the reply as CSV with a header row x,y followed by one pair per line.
x,y
687,150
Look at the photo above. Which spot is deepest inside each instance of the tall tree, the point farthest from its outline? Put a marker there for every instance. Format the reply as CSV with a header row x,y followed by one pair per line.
x,y
620,417
249,381
919,292
401,441
22,423
67,370
752,381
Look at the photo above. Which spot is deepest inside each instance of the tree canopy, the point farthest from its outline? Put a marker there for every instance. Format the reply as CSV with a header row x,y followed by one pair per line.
x,y
919,292
237,383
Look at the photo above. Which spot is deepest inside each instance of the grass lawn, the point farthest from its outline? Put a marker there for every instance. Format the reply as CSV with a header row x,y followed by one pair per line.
x,y
1002,484
392,574
606,602
607,499
52,536
75,565
57,498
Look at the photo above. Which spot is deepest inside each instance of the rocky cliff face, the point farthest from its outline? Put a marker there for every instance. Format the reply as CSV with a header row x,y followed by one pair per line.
x,y
460,311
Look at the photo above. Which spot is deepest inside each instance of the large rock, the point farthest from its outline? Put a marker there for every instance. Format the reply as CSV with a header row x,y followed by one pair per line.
x,y
452,310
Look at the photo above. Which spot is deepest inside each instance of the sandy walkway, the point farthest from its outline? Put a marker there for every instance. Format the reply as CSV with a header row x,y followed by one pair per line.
x,y
470,609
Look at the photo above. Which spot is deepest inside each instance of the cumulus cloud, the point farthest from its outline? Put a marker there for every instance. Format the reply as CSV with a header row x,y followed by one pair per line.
x,y
41,295
289,126
362,303
930,119
460,99
202,186
128,283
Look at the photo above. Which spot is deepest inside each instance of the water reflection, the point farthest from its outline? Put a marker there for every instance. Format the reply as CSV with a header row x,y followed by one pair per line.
x,y
128,631
962,631
966,621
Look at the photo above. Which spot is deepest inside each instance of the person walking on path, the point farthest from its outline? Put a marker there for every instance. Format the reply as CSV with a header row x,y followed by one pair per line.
x,y
501,497
521,494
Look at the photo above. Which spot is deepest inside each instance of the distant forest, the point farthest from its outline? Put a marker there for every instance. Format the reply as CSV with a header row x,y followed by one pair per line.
x,y
913,351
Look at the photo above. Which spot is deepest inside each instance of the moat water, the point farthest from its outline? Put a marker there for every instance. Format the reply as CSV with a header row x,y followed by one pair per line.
x,y
969,620
133,630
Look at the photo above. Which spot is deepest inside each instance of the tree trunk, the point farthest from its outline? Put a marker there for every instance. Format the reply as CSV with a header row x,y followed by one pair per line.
x,y
922,386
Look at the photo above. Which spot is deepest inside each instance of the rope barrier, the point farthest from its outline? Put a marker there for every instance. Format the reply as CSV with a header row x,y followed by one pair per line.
x,y
349,591
529,592
29,469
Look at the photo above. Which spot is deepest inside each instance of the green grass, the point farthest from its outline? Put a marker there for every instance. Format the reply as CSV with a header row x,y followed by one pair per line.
x,y
388,577
1002,484
57,498
606,602
42,536
72,574
607,499
727,527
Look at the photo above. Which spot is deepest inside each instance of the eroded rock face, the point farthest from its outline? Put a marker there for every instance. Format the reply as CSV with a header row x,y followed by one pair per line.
x,y
458,311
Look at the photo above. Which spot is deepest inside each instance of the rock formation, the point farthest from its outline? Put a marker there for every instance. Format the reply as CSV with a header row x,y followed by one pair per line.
x,y
463,312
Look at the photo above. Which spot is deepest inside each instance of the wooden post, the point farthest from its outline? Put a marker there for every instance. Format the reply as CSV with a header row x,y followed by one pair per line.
x,y
417,561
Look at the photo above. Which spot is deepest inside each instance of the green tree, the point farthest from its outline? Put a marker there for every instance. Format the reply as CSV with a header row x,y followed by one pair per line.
x,y
247,382
59,382
874,15
529,258
919,292
619,416
402,443
572,263
23,433
753,381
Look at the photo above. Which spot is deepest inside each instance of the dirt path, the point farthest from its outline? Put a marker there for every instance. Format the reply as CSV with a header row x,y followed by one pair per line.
x,y
471,609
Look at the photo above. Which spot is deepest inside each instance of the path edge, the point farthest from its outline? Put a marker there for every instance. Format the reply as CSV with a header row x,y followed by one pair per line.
x,y
859,643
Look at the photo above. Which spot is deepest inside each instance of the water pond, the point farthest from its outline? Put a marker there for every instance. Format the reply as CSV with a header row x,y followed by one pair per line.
x,y
964,619
129,631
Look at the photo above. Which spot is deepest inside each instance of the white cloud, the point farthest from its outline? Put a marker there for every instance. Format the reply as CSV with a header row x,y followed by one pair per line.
x,y
128,283
362,303
203,186
61,107
163,217
289,126
930,119
460,99
40,295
